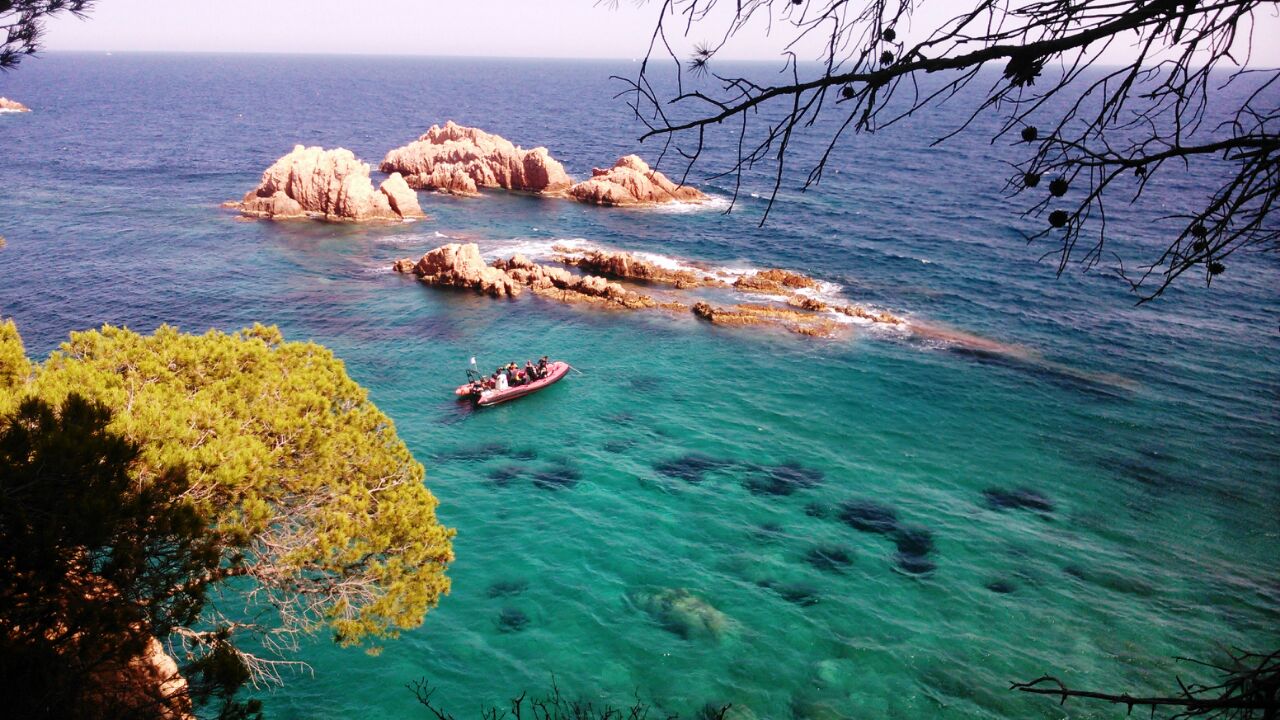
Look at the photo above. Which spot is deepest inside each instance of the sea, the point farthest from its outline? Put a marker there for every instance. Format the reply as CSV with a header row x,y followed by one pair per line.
x,y
879,525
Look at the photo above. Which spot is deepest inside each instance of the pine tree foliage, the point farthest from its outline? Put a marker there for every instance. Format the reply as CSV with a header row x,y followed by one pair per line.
x,y
288,457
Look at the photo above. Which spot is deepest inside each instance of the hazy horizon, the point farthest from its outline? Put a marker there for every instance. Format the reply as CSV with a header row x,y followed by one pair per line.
x,y
583,30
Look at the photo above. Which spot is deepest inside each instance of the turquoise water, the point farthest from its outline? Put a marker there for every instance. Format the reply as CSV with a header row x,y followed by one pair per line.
x,y
684,456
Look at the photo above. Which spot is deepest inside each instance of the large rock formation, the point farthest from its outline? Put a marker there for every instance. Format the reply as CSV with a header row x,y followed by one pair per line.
x,y
628,266
401,197
631,182
330,185
12,105
457,265
461,160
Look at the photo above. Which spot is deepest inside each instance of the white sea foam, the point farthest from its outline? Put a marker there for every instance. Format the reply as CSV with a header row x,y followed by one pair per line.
x,y
533,248
714,203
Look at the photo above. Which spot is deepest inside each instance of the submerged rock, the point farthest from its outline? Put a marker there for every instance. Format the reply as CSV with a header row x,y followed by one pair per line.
x,y
507,588
12,105
869,516
512,620
462,160
913,540
692,467
681,612
325,184
914,545
781,480
801,595
1021,498
632,182
914,564
502,476
562,477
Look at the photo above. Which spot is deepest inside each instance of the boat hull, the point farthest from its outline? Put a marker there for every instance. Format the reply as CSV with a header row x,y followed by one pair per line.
x,y
556,371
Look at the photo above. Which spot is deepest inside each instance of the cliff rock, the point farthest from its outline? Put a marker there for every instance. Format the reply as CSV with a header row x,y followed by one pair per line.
x,y
631,182
461,160
327,184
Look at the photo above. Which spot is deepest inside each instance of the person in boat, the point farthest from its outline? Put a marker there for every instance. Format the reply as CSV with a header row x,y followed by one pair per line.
x,y
543,370
531,372
500,381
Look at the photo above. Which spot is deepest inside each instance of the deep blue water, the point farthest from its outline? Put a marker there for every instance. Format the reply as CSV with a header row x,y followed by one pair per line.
x,y
1164,538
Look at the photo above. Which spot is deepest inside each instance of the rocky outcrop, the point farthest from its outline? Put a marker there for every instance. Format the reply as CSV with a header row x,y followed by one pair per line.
x,y
627,266
457,265
877,317
149,684
632,182
329,185
461,266
402,199
800,322
7,105
462,160
774,281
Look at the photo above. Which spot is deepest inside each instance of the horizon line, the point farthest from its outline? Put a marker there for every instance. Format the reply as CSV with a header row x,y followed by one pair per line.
x,y
429,56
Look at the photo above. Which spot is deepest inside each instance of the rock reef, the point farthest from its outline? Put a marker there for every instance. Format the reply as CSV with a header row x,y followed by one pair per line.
x,y
627,266
8,105
457,265
774,281
632,182
461,160
461,266
797,321
311,182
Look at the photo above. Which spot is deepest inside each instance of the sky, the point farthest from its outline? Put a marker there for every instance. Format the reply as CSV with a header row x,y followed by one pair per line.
x,y
479,28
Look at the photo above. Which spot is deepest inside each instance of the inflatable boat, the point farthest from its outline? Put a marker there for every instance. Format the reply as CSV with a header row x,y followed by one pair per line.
x,y
555,371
